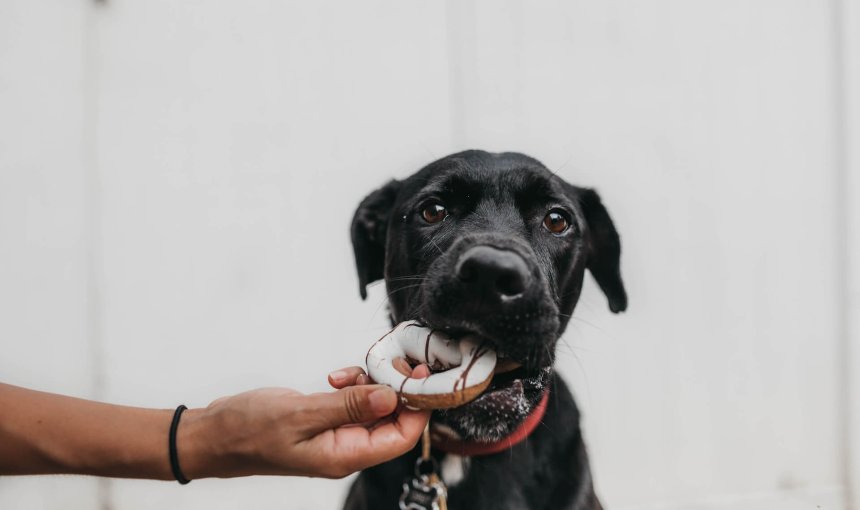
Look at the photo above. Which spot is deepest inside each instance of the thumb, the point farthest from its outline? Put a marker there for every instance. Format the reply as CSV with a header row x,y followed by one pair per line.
x,y
354,404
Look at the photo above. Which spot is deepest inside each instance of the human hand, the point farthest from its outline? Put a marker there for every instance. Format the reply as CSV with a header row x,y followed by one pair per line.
x,y
279,431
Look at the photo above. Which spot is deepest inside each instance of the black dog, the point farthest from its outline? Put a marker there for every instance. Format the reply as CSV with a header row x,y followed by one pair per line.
x,y
497,245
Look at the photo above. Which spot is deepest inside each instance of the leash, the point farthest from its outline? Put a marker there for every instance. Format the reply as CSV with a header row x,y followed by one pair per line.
x,y
426,490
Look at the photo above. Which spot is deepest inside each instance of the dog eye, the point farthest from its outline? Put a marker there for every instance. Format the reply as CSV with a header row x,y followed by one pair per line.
x,y
434,212
555,222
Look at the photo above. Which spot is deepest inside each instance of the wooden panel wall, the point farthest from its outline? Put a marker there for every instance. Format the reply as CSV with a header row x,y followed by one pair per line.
x,y
847,104
45,234
234,143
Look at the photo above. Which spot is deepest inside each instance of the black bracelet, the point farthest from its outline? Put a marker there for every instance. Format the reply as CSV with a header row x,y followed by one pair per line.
x,y
174,458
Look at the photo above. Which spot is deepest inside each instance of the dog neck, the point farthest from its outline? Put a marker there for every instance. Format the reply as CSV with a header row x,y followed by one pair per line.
x,y
445,442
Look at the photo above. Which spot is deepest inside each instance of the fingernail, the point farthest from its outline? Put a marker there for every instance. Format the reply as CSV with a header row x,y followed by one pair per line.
x,y
421,371
380,400
337,375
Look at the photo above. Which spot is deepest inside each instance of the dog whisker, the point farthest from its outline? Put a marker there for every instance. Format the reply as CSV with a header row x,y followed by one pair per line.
x,y
571,349
588,323
436,245
385,300
431,240
407,277
555,171
397,279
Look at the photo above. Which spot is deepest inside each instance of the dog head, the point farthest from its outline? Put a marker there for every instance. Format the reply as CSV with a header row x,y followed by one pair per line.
x,y
495,245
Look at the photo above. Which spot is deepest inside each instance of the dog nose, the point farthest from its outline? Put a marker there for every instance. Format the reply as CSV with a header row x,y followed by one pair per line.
x,y
491,272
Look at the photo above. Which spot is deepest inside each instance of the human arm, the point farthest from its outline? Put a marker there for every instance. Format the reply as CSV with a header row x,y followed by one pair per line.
x,y
275,431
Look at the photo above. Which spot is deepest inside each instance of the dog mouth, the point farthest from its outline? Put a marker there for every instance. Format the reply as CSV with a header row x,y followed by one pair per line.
x,y
505,365
511,380
517,386
507,390
499,410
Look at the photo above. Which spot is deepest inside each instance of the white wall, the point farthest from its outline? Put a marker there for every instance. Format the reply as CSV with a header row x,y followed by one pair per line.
x,y
45,307
177,178
848,147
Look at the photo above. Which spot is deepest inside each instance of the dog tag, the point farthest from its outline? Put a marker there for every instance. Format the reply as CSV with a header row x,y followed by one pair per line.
x,y
421,494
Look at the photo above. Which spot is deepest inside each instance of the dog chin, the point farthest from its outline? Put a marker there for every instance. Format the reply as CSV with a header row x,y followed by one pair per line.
x,y
499,410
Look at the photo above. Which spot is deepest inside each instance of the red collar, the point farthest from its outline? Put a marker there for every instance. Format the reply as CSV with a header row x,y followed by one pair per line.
x,y
448,444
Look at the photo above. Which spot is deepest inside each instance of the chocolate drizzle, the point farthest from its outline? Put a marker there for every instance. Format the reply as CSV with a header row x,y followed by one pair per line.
x,y
427,348
480,351
400,391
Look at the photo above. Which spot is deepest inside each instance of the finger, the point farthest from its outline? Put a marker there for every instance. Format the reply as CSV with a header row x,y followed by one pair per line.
x,y
363,379
420,372
353,404
351,449
345,377
402,366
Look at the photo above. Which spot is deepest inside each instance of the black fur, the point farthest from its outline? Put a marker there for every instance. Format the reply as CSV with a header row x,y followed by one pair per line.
x,y
529,280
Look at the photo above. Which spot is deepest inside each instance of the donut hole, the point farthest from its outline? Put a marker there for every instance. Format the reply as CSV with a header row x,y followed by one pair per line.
x,y
405,365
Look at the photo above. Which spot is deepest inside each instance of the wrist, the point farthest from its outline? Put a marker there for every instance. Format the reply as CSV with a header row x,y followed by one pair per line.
x,y
194,446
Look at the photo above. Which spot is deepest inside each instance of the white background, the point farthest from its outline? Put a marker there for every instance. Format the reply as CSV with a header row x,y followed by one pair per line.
x,y
177,181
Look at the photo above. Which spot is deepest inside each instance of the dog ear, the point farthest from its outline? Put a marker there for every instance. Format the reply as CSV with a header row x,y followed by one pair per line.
x,y
604,249
369,227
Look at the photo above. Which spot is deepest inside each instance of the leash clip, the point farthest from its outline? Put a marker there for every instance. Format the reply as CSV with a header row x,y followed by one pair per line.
x,y
422,493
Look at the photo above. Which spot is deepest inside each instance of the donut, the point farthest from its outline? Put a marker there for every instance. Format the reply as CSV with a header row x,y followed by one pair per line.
x,y
461,369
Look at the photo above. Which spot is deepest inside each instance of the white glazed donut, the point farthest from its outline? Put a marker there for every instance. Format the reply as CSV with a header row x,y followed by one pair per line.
x,y
461,369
